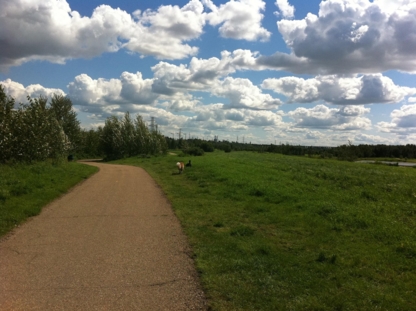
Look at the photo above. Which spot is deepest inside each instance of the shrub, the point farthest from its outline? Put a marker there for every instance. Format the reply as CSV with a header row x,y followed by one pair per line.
x,y
207,147
195,151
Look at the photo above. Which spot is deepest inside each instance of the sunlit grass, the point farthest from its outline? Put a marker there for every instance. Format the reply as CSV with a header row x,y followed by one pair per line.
x,y
273,232
26,188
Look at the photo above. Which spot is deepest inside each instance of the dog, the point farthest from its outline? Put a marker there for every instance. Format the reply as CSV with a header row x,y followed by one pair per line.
x,y
188,164
180,166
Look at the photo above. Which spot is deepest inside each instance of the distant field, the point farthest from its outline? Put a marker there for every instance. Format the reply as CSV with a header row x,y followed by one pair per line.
x,y
273,232
25,189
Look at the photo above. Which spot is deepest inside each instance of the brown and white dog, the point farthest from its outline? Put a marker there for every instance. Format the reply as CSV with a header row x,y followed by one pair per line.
x,y
180,166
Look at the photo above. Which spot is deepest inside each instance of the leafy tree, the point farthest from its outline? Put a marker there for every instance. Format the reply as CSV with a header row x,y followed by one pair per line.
x,y
90,143
67,118
123,137
7,140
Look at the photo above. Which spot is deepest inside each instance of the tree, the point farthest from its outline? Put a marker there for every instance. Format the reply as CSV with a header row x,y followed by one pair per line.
x,y
6,126
67,118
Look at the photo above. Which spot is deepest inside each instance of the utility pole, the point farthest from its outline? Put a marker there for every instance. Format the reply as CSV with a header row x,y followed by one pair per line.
x,y
180,134
173,135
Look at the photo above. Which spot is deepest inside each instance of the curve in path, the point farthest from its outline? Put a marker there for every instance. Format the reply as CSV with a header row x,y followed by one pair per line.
x,y
111,243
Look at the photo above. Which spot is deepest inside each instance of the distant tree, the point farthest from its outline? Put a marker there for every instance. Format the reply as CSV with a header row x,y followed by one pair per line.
x,y
90,143
123,137
207,147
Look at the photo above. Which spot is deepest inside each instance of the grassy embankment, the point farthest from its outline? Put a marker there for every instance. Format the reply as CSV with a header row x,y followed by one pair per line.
x,y
273,232
25,189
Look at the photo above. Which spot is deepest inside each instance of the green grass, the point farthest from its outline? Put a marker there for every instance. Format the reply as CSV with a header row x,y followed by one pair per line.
x,y
273,232
25,189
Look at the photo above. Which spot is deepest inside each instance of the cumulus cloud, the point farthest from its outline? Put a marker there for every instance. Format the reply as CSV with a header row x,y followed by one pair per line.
x,y
285,9
371,139
19,92
314,135
106,96
242,93
350,37
240,19
263,118
217,117
200,74
51,31
85,91
403,121
358,90
321,117
162,33
182,102
137,90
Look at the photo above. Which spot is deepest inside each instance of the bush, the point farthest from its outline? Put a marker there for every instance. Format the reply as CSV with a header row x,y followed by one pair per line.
x,y
195,151
207,147
227,148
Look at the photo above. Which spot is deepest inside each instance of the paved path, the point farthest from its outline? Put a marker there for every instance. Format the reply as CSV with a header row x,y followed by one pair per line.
x,y
111,243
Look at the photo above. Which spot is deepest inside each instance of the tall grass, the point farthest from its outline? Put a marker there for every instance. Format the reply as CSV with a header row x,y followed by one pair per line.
x,y
26,188
273,232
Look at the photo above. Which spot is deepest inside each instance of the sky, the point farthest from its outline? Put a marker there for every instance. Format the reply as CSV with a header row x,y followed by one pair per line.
x,y
315,73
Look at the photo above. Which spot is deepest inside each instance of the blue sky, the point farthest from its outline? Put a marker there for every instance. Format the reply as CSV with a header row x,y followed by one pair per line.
x,y
284,71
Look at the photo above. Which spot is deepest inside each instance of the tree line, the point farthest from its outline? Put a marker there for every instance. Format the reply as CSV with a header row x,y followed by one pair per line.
x,y
347,151
40,130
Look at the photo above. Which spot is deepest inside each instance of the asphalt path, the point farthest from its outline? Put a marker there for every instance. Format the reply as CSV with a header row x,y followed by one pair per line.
x,y
111,243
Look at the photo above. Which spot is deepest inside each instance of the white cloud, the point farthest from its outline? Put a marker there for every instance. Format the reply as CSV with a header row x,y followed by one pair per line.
x,y
341,119
370,139
360,36
286,10
243,94
137,90
104,97
240,19
263,118
200,74
314,135
403,121
85,91
182,102
161,33
50,30
19,92
358,90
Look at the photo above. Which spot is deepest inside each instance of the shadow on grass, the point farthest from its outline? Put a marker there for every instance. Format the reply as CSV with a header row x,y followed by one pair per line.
x,y
92,160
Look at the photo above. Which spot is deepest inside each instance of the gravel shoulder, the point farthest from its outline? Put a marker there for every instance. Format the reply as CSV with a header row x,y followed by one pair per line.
x,y
111,243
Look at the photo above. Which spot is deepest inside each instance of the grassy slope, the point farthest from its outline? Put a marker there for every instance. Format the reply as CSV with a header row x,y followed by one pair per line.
x,y
25,189
272,232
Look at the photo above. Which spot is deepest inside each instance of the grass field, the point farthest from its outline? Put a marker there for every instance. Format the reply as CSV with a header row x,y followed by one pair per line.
x,y
25,189
273,232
